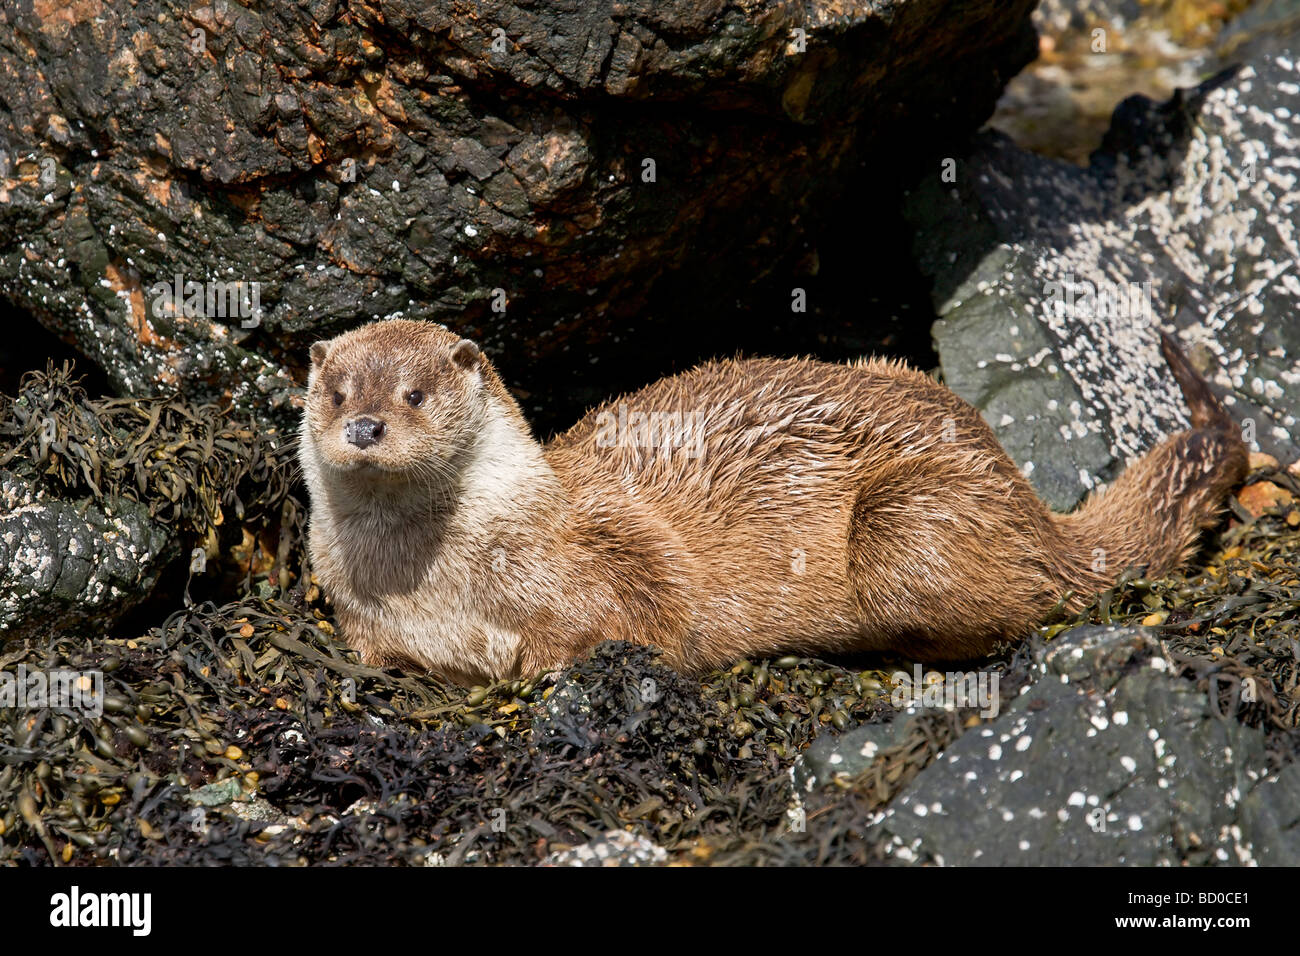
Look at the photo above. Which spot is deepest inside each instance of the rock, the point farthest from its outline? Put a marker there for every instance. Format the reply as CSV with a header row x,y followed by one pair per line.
x,y
1107,759
311,166
843,756
616,848
216,794
838,758
1262,496
1051,280
71,564
1259,460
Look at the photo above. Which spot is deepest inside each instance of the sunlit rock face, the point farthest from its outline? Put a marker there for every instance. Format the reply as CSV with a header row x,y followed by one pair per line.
x,y
1051,280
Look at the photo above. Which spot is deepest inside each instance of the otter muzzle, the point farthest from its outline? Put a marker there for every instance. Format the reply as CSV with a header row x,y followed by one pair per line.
x,y
363,432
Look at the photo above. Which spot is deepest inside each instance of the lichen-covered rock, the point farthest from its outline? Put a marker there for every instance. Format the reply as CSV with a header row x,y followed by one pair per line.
x,y
1051,280
528,173
71,564
1107,759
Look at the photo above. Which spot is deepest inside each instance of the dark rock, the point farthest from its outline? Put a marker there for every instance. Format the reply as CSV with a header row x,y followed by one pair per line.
x,y
843,756
1106,759
394,157
1185,219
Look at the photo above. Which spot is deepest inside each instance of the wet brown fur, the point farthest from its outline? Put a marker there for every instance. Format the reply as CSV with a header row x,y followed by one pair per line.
x,y
834,508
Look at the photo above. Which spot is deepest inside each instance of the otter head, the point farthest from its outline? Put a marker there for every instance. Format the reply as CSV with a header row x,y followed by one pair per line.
x,y
395,402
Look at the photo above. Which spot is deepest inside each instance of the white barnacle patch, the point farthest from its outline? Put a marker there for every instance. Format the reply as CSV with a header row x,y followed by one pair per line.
x,y
1233,200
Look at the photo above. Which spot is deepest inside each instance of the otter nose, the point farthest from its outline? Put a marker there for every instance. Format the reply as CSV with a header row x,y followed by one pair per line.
x,y
364,432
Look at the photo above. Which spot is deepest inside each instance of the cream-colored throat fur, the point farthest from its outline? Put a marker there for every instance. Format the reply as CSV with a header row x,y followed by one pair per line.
x,y
457,618
505,465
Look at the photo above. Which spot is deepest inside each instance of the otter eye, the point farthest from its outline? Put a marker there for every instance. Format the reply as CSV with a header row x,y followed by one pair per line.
x,y
338,398
415,398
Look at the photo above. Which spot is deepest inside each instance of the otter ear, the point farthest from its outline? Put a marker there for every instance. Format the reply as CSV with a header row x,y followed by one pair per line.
x,y
467,355
319,352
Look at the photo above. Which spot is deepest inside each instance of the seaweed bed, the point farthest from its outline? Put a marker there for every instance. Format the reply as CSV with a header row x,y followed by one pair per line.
x,y
243,732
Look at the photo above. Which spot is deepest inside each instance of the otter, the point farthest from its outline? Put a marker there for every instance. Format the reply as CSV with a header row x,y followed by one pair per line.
x,y
742,508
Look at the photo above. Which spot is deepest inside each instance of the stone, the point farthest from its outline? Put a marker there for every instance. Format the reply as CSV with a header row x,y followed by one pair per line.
x,y
1262,496
561,182
616,848
74,563
1107,759
1051,281
841,757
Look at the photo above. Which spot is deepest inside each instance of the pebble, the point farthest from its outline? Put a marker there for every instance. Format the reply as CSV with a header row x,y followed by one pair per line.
x,y
1261,496
616,848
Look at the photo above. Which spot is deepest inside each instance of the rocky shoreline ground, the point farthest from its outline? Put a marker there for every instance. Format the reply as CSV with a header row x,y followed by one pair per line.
x,y
243,732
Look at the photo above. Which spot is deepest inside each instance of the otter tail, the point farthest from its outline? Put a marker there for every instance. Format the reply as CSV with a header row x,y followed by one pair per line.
x,y
1152,515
